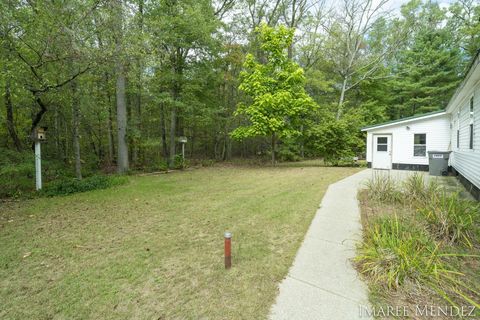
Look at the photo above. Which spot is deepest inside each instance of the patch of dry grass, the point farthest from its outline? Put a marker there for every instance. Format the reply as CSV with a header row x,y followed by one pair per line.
x,y
152,249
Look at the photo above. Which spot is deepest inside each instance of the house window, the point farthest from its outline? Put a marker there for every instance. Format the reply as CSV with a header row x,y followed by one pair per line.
x,y
458,139
420,145
471,136
470,144
382,144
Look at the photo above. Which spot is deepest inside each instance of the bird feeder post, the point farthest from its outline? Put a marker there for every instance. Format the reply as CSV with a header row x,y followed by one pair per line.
x,y
183,140
38,137
38,166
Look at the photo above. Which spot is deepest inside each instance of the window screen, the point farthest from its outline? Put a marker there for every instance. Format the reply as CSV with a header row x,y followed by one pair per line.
x,y
382,144
471,137
419,145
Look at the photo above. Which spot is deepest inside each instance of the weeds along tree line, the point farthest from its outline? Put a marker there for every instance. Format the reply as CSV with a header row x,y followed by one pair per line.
x,y
117,82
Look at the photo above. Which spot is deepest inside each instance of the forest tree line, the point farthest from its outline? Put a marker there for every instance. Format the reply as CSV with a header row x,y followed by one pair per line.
x,y
117,82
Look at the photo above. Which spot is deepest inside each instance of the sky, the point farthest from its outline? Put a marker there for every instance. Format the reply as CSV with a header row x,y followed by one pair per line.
x,y
396,4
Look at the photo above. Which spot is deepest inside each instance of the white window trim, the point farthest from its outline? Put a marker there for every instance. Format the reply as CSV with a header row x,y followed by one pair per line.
x,y
414,145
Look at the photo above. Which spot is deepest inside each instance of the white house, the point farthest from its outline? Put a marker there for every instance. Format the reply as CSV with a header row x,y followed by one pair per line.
x,y
404,143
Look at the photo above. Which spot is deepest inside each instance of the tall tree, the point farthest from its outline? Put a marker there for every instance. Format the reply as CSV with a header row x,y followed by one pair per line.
x,y
7,73
276,90
122,157
347,47
465,26
183,32
428,69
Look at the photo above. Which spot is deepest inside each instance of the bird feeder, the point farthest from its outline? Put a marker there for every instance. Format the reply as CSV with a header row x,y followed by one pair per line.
x,y
39,134
183,141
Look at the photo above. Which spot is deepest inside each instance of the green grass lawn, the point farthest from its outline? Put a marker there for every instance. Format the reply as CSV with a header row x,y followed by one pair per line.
x,y
153,249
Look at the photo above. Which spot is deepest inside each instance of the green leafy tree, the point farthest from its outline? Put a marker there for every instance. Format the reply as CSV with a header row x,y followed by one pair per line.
x,y
275,88
465,25
428,68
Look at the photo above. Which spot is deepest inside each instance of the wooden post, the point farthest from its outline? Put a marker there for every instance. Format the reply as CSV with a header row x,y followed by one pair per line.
x,y
228,250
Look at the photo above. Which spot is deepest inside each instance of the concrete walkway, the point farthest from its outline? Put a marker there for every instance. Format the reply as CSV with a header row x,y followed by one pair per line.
x,y
322,283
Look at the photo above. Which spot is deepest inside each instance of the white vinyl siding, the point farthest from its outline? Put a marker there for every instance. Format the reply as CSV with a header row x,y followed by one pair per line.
x,y
465,160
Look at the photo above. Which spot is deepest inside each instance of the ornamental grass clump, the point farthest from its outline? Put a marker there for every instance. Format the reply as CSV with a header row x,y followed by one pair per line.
x,y
417,192
383,188
393,252
450,218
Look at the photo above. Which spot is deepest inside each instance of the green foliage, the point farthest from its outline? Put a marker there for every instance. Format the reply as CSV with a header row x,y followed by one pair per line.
x,y
450,218
427,69
69,186
417,192
183,67
180,162
465,26
275,89
393,252
289,151
337,141
383,188
17,173
421,245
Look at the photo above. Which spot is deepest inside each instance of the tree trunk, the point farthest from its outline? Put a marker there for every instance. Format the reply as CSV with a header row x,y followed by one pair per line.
x,y
177,60
137,124
57,134
164,134
111,140
192,142
173,122
342,98
290,51
75,129
39,115
122,157
302,142
10,121
274,149
137,152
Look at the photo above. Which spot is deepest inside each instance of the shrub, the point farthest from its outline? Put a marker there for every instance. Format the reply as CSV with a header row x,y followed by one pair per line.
x,y
17,173
179,162
288,153
333,140
450,218
69,186
207,162
383,188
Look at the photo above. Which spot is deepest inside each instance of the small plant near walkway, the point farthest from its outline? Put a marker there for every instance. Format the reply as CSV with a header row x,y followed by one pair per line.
x,y
421,244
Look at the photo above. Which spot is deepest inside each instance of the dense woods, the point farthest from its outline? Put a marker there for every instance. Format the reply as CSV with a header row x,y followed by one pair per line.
x,y
117,82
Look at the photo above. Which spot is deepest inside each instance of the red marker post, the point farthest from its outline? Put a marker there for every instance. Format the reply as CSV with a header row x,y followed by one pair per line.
x,y
228,249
